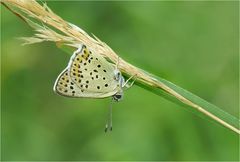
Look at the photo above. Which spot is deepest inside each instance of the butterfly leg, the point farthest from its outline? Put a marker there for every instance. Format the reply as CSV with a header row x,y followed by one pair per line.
x,y
109,121
127,84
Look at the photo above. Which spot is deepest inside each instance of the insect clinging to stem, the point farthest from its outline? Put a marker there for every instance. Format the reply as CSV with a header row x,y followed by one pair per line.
x,y
90,75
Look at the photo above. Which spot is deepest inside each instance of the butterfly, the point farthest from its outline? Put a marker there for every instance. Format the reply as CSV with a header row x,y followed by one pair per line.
x,y
90,75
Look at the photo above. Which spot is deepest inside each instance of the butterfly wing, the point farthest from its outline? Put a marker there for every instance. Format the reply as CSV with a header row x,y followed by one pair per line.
x,y
66,87
92,73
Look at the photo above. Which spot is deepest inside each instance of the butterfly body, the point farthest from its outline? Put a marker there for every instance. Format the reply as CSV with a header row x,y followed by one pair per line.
x,y
89,75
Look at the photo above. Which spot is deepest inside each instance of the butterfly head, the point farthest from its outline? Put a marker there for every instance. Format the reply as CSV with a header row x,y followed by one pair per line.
x,y
119,78
117,75
118,96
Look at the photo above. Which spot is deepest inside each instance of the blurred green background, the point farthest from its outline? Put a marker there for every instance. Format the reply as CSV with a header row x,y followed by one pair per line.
x,y
192,44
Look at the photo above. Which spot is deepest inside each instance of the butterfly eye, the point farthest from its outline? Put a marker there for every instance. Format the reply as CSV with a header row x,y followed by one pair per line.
x,y
117,97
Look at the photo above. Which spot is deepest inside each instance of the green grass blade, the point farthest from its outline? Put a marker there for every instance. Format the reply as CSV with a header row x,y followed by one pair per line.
x,y
228,118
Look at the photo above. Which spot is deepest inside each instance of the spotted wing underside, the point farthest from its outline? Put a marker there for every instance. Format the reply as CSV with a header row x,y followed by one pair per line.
x,y
92,72
66,87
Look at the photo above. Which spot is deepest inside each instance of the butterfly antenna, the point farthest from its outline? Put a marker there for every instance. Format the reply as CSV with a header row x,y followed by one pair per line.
x,y
109,121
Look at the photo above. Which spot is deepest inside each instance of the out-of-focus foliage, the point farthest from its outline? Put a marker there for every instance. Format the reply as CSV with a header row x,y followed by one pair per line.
x,y
192,44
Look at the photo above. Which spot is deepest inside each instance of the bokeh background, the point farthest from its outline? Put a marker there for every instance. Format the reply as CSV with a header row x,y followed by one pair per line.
x,y
192,44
